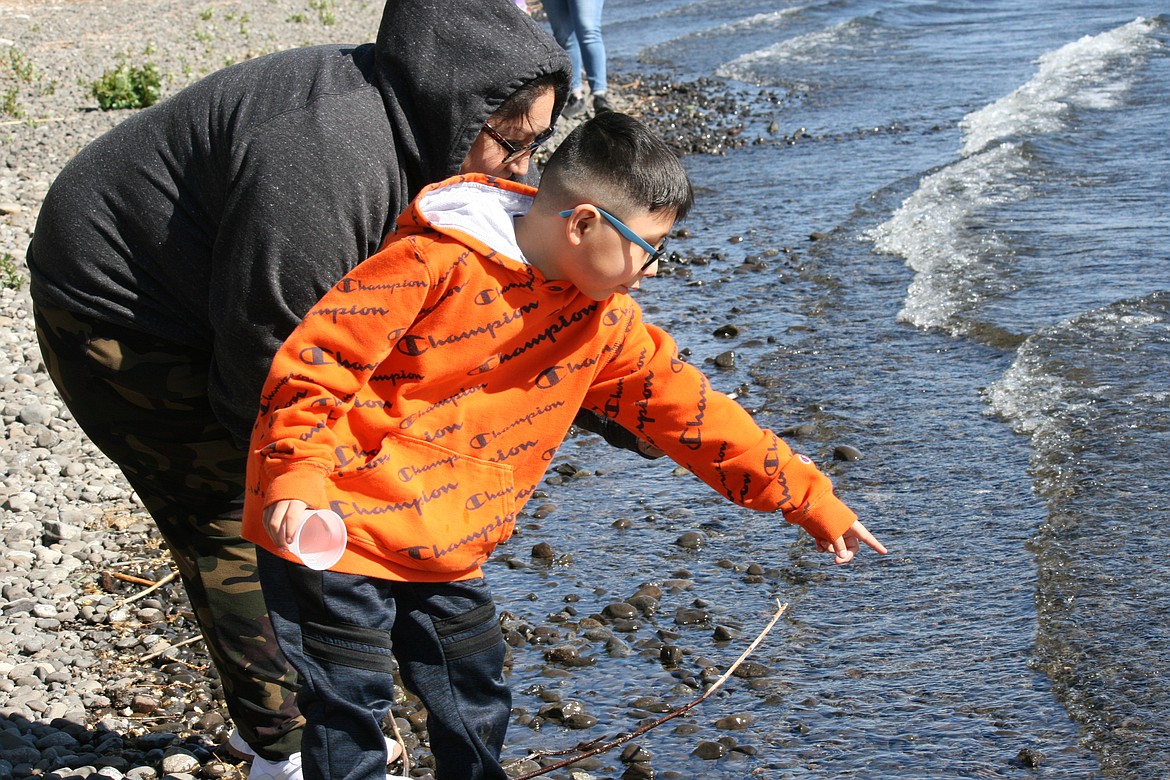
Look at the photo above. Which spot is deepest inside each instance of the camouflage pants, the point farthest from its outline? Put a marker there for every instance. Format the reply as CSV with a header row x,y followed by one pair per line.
x,y
144,403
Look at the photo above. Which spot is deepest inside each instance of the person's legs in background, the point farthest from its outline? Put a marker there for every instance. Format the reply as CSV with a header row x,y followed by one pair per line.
x,y
586,16
560,19
576,24
144,404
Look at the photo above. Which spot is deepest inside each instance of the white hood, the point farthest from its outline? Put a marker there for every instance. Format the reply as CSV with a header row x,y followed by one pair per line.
x,y
481,211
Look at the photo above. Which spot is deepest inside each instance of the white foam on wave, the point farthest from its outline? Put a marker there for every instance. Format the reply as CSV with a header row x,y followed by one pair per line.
x,y
1029,395
1062,374
1084,73
757,21
933,232
814,47
939,230
730,30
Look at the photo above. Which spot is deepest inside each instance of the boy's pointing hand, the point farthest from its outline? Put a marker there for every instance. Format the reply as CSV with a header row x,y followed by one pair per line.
x,y
846,546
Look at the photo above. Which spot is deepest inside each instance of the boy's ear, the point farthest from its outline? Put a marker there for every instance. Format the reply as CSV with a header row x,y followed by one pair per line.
x,y
578,224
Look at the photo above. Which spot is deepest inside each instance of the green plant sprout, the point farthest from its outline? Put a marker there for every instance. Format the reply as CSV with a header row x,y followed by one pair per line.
x,y
128,86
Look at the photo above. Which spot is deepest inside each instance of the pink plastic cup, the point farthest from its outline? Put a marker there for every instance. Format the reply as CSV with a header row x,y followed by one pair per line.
x,y
320,541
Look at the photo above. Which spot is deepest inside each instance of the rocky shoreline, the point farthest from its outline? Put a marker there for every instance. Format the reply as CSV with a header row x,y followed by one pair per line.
x,y
102,673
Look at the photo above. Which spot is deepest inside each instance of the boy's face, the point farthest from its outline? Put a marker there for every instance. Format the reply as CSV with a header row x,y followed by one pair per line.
x,y
605,260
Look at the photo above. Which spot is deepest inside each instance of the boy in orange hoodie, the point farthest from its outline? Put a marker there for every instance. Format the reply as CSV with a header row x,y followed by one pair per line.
x,y
422,400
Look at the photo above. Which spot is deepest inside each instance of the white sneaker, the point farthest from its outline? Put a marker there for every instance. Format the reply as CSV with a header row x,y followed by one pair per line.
x,y
238,746
290,769
263,769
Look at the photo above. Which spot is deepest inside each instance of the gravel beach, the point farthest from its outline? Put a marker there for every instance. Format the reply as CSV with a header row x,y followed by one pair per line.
x,y
102,674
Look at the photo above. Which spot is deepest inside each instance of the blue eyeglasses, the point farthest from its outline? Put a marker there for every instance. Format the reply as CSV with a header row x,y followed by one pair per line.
x,y
655,252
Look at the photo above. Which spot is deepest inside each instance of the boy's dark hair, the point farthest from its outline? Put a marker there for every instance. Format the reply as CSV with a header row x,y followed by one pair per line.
x,y
519,103
616,157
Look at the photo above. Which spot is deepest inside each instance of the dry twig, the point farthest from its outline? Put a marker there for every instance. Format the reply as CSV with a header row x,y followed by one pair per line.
x,y
607,746
182,643
153,585
401,741
131,578
35,121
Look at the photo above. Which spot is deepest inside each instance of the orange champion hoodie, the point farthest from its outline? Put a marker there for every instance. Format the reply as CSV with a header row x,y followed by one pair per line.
x,y
425,395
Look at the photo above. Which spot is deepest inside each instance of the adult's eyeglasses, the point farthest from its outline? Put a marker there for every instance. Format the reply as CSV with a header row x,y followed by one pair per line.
x,y
514,151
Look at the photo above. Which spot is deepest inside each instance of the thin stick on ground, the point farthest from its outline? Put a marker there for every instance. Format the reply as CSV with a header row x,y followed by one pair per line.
x,y
131,578
405,750
151,589
35,121
181,643
607,746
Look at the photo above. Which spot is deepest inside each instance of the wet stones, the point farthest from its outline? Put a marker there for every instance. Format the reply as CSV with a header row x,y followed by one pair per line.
x,y
846,453
646,705
670,655
1029,758
649,591
709,751
524,767
736,722
691,616
620,610
750,669
543,511
723,748
646,605
637,761
570,714
725,360
800,430
568,655
616,648
698,116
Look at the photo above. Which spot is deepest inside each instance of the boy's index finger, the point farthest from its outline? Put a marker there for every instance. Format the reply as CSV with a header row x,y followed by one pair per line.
x,y
864,535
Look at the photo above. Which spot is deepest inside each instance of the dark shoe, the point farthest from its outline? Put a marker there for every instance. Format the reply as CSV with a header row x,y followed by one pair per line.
x,y
573,108
601,104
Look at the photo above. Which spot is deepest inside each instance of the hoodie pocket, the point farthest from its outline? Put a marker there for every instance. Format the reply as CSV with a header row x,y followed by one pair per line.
x,y
426,507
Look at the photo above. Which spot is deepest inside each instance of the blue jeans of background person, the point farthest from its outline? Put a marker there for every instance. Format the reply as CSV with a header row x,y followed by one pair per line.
x,y
338,631
576,24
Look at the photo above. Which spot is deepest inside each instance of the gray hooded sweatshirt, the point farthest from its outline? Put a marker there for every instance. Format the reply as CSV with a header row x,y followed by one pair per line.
x,y
216,218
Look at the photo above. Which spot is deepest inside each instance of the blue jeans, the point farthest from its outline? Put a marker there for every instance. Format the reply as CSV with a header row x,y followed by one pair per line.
x,y
337,630
576,24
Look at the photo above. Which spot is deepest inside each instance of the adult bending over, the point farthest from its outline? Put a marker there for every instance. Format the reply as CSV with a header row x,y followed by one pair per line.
x,y
174,254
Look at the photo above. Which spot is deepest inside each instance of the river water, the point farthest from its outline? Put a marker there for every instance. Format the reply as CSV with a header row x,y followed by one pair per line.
x,y
985,315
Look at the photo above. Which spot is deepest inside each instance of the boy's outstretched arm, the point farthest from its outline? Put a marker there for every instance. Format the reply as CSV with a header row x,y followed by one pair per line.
x,y
653,393
846,546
